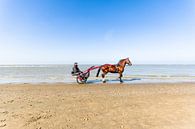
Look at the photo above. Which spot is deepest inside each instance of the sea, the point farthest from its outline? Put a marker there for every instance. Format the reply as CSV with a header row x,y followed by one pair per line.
x,y
62,74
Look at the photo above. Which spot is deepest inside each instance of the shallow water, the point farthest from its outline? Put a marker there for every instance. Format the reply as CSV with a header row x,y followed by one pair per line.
x,y
61,73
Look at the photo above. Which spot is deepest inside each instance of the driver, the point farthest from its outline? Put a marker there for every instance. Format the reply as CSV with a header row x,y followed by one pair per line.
x,y
75,69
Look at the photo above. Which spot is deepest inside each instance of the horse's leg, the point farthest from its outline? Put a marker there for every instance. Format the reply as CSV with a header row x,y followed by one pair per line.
x,y
103,77
120,77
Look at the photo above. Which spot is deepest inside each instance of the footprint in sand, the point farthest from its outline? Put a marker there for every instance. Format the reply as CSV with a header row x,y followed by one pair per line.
x,y
36,117
3,125
4,112
3,120
10,101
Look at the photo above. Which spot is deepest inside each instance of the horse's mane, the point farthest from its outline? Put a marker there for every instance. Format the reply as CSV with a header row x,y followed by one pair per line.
x,y
119,63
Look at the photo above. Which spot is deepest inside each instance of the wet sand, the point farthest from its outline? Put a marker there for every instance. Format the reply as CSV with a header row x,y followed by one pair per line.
x,y
97,106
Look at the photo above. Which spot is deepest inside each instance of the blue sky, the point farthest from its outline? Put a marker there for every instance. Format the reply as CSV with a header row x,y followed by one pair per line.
x,y
97,31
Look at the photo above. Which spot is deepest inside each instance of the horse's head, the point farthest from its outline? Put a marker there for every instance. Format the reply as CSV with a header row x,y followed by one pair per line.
x,y
128,61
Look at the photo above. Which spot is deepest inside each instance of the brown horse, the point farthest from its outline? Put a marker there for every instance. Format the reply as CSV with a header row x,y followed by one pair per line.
x,y
118,68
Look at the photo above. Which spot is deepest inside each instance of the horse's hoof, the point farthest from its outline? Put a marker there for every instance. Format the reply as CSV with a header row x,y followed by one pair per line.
x,y
121,81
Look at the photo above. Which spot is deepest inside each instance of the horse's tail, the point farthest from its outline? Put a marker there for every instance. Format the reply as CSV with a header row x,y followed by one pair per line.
x,y
98,72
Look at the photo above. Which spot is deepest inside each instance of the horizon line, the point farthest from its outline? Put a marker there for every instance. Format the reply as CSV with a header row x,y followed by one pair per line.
x,y
98,64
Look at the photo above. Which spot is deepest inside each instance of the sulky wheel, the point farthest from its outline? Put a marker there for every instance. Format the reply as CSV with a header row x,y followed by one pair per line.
x,y
81,80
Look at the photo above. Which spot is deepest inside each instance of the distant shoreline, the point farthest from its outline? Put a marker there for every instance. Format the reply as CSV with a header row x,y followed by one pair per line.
x,y
100,84
62,74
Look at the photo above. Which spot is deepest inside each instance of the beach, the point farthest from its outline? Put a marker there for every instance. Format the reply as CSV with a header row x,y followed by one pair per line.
x,y
97,106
